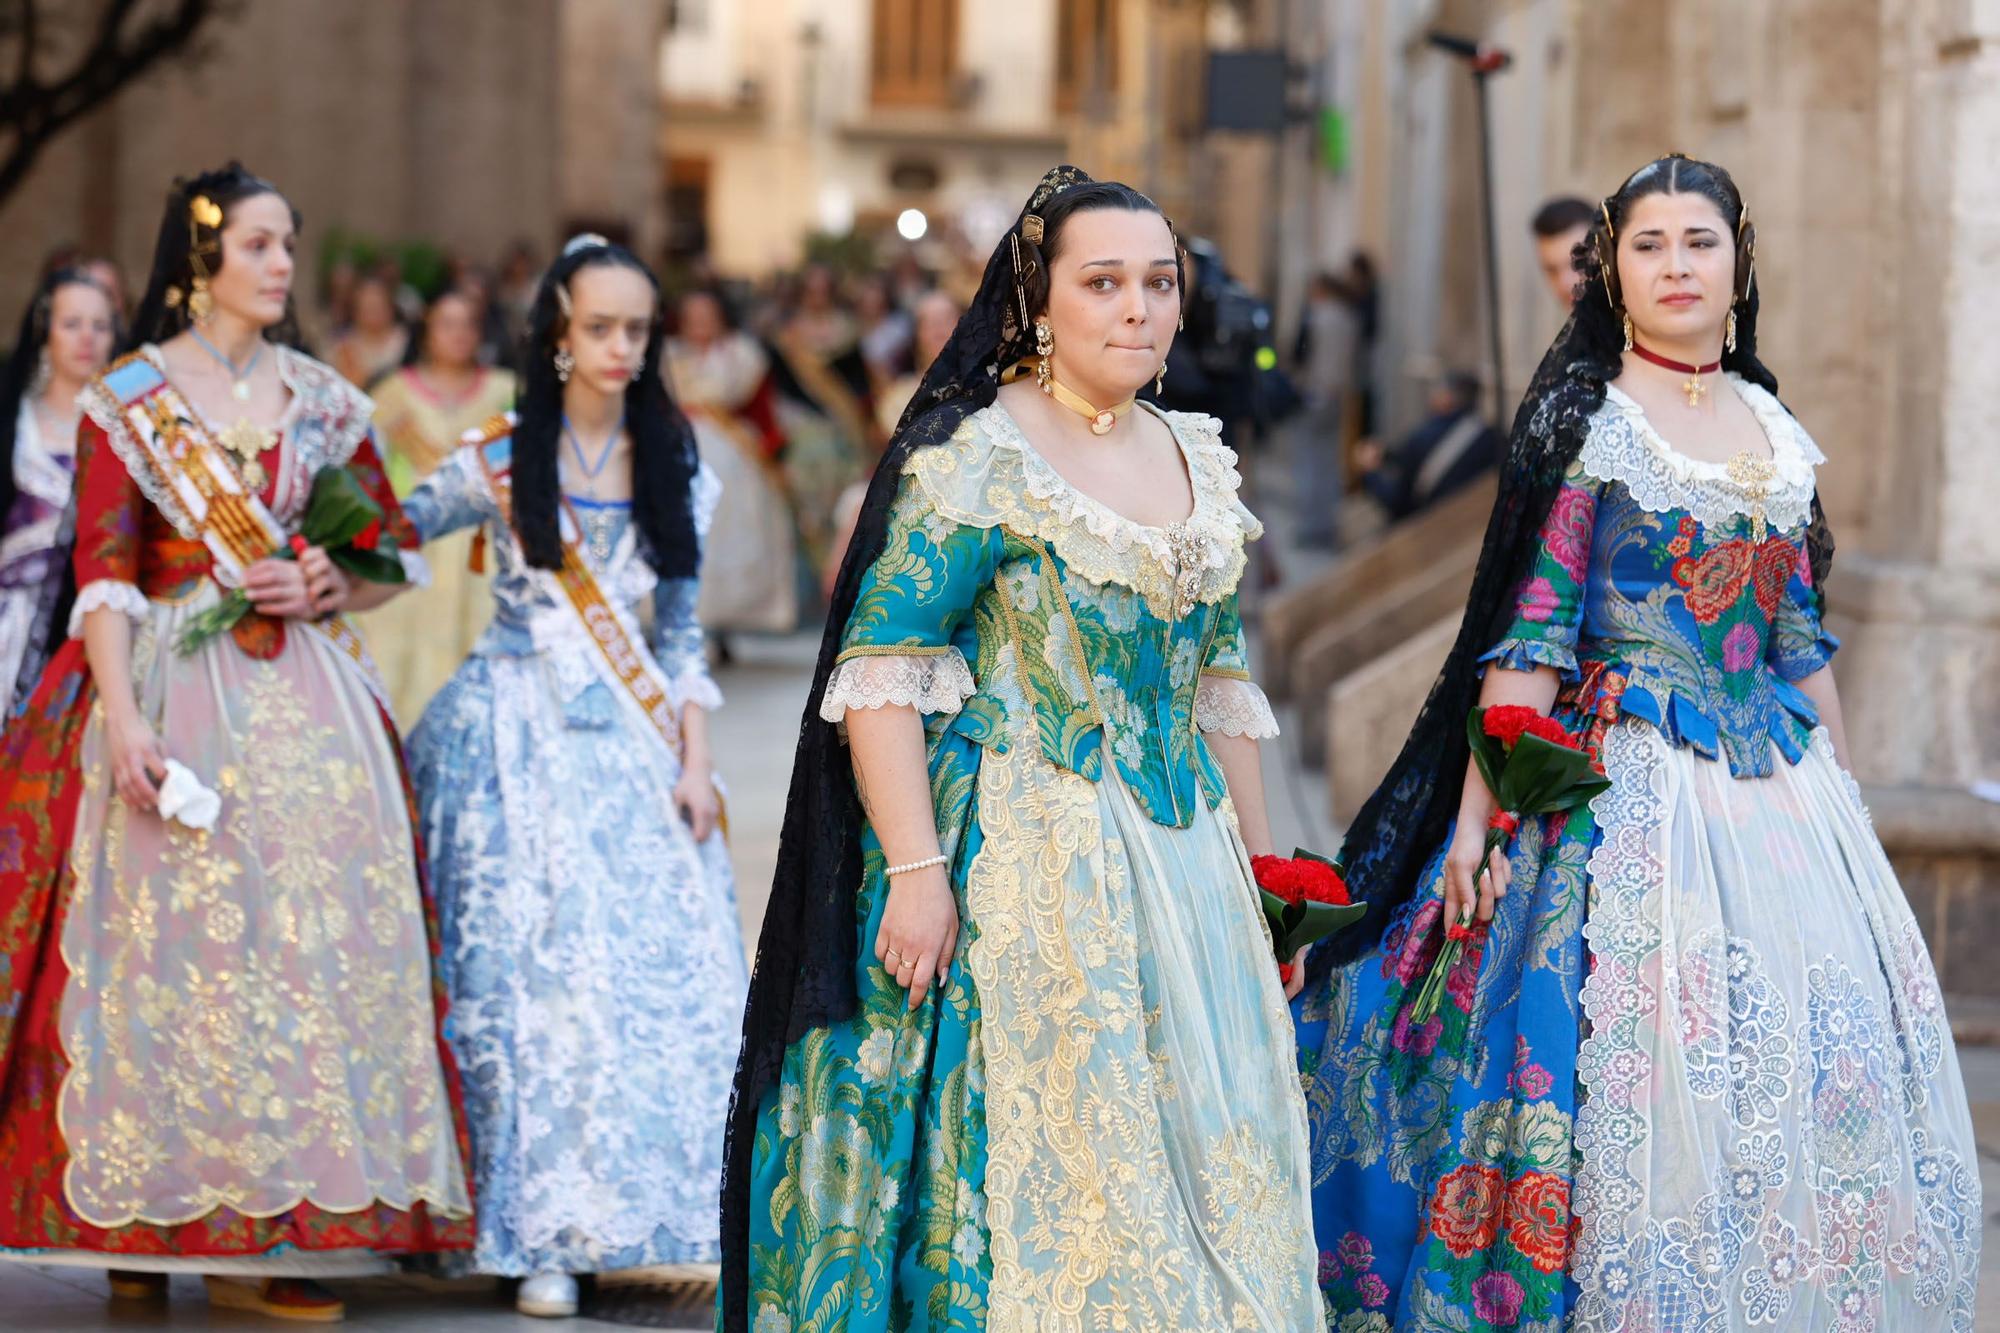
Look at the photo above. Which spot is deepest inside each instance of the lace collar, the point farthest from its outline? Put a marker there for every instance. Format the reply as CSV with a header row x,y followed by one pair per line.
x,y
990,475
321,427
1624,446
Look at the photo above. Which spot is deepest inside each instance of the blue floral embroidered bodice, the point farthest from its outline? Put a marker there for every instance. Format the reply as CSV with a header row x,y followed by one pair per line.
x,y
1678,591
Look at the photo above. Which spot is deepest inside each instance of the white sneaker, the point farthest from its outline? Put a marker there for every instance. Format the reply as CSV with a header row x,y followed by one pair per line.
x,y
548,1296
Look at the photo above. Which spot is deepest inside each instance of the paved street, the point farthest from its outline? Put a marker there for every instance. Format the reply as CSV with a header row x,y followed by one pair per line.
x,y
754,735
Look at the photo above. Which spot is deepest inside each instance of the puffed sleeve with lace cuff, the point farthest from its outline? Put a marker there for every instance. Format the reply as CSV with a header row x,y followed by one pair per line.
x,y
908,638
1226,701
109,510
1548,604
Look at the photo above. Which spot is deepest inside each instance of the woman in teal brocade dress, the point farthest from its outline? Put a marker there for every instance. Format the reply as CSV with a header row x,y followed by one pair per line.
x,y
1698,1077
1089,1120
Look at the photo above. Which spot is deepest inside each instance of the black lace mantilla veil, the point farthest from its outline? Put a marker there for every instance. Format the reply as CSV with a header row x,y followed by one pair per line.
x,y
1410,813
804,975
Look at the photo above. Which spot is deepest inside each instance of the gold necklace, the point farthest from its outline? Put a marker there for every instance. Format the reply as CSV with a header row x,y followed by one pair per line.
x,y
247,443
1753,476
1101,419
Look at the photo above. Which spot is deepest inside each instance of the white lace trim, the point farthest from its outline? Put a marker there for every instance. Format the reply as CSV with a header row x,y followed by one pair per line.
x,y
1211,469
416,569
111,594
694,686
927,682
704,494
36,470
1224,705
322,426
991,476
1623,446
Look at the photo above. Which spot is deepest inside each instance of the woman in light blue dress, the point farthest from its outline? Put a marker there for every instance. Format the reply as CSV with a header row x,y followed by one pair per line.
x,y
566,799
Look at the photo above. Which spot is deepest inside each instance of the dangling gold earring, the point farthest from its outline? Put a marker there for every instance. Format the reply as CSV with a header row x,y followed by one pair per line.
x,y
1045,347
1160,380
565,363
1729,335
1628,330
200,303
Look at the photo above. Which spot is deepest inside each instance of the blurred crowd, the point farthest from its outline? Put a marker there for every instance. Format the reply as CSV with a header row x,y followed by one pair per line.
x,y
805,373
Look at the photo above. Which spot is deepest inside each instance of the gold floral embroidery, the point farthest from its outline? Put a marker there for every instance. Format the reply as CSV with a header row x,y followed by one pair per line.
x,y
1076,1175
248,1007
1248,1201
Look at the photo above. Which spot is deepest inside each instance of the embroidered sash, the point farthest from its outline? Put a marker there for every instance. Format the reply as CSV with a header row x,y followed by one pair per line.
x,y
201,491
628,663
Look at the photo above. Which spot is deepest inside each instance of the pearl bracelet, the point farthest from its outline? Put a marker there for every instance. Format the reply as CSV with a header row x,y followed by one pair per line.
x,y
924,864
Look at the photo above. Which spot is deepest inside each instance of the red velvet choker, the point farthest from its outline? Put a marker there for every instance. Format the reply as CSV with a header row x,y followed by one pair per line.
x,y
1693,388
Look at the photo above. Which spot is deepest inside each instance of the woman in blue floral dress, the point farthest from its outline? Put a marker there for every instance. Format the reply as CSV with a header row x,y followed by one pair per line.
x,y
1696,1072
1053,1088
590,939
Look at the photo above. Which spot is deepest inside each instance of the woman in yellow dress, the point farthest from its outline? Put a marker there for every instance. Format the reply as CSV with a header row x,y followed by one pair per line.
x,y
421,412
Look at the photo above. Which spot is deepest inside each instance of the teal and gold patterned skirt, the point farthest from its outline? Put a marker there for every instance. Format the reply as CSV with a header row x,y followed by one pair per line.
x,y
1097,1117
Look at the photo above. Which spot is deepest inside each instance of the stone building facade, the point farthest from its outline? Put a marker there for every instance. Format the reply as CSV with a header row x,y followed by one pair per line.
x,y
472,123
784,119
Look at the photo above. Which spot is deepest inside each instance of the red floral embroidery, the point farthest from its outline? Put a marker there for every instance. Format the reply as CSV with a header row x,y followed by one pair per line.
x,y
259,636
1465,1209
1716,580
1776,562
1538,1219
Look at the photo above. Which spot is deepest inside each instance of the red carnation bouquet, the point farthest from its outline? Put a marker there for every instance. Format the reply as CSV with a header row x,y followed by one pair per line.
x,y
341,518
1305,900
1533,767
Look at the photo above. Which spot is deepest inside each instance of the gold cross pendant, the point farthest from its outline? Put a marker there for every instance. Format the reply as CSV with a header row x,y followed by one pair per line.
x,y
1694,389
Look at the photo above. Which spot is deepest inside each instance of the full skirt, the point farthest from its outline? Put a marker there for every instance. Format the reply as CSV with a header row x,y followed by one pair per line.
x,y
221,1048
595,965
1700,1078
1093,1121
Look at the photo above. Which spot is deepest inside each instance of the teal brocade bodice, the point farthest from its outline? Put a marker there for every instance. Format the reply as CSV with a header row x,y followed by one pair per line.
x,y
1013,609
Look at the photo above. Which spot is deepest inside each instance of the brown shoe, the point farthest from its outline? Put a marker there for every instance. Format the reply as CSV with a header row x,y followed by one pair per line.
x,y
127,1285
279,1297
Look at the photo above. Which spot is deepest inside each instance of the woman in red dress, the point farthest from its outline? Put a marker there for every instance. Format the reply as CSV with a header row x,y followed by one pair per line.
x,y
219,1022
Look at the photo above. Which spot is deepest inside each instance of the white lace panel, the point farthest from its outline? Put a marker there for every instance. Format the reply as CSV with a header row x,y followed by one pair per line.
x,y
927,682
1624,447
99,594
1226,706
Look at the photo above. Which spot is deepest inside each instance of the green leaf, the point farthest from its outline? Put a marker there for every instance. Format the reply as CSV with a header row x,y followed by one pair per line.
x,y
1296,925
1487,752
338,508
372,566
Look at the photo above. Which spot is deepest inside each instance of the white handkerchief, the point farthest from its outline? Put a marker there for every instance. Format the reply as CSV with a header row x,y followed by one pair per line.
x,y
183,798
